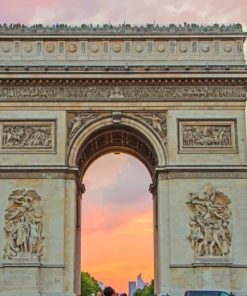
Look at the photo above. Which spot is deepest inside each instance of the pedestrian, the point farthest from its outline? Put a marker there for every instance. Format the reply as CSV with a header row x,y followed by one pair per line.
x,y
109,291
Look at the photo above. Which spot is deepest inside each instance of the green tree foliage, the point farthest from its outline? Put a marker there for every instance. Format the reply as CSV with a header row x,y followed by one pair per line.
x,y
146,291
89,285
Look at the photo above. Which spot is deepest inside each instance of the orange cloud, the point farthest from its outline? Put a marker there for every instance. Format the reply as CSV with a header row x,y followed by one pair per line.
x,y
117,257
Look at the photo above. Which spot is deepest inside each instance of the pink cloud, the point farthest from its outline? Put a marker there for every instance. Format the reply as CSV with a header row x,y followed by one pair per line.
x,y
138,11
118,189
104,166
15,11
112,174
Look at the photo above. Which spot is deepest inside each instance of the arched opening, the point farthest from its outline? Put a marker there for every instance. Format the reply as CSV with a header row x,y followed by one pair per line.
x,y
129,137
117,222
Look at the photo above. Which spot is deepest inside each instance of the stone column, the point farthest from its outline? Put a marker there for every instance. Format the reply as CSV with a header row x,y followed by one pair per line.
x,y
155,239
80,191
163,241
70,238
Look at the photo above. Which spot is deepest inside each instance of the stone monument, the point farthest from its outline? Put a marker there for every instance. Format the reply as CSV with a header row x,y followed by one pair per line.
x,y
174,97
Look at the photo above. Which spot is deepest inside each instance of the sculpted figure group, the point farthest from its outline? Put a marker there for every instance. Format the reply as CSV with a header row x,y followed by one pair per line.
x,y
78,120
206,136
26,136
157,121
23,225
209,232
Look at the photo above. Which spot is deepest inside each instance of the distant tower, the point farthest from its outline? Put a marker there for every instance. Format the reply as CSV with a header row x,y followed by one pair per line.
x,y
132,288
101,285
140,283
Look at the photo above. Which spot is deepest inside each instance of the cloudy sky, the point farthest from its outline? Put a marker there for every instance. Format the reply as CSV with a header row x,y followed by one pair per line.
x,y
117,208
135,11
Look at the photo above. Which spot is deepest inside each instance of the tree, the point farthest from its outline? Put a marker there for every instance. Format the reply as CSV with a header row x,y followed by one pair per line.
x,y
146,291
89,285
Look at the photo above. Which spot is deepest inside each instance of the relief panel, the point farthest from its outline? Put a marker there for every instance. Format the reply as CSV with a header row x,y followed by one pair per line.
x,y
157,121
206,136
27,136
209,226
24,226
76,120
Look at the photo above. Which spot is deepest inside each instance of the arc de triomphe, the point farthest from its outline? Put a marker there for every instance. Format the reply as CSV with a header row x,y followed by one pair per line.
x,y
174,97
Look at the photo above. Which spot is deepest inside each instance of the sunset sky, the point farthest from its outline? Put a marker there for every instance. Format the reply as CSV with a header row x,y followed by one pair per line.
x,y
117,241
117,207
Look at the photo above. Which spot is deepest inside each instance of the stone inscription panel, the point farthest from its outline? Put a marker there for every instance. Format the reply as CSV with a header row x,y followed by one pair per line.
x,y
27,136
206,136
22,280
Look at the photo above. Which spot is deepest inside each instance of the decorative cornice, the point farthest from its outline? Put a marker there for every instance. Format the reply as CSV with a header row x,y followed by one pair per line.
x,y
122,81
120,29
66,68
38,172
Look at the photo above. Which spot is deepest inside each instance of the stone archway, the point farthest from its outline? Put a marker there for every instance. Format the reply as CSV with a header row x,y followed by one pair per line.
x,y
173,96
130,134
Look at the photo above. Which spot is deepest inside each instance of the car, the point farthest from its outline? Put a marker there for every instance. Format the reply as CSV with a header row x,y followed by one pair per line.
x,y
206,293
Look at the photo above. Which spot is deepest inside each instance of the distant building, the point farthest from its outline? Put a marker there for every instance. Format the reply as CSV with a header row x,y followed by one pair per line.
x,y
140,283
132,288
101,285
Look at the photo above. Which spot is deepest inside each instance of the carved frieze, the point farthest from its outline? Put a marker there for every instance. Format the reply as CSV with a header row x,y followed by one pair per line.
x,y
24,226
209,226
206,136
27,136
125,93
76,120
157,120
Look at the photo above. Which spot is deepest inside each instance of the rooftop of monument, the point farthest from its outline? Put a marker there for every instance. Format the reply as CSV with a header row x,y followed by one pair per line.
x,y
121,29
110,45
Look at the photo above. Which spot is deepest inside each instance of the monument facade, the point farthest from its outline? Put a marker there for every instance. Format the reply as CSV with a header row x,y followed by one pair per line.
x,y
172,96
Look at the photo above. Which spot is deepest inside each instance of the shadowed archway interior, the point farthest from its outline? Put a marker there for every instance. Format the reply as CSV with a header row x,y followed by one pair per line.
x,y
117,139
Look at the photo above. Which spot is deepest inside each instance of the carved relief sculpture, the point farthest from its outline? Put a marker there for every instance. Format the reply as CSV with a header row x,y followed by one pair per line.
x,y
210,218
88,93
157,121
77,120
27,135
24,226
206,136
